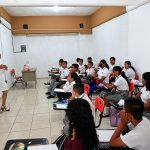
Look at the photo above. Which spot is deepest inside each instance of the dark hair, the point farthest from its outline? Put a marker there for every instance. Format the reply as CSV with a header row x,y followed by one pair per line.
x,y
146,77
81,60
129,63
135,107
79,88
89,58
65,62
113,58
75,77
81,119
90,62
119,69
61,60
77,60
75,66
104,62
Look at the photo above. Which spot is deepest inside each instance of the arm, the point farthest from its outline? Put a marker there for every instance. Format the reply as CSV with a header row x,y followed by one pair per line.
x,y
109,86
147,105
138,95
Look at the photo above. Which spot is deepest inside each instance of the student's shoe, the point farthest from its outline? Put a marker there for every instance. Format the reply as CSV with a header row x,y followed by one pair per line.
x,y
4,108
51,96
46,83
47,93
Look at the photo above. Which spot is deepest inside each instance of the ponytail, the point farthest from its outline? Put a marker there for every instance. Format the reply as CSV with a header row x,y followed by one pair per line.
x,y
124,76
129,63
104,62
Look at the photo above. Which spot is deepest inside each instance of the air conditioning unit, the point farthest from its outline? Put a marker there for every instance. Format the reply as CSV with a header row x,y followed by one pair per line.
x,y
5,23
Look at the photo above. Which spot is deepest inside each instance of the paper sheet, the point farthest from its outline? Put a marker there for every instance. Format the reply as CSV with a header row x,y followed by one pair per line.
x,y
61,106
105,135
59,90
44,147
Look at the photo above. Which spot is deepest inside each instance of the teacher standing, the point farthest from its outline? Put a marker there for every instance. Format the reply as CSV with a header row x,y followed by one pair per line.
x,y
3,87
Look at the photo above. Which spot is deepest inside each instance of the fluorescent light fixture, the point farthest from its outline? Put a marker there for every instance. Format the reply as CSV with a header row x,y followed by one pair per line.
x,y
56,8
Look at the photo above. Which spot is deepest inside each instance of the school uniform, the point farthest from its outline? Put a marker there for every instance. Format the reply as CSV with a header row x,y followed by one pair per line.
x,y
145,95
64,72
111,68
90,71
130,74
3,85
121,92
138,138
82,69
104,72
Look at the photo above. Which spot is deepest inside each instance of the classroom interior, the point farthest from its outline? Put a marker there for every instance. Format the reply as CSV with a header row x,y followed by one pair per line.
x,y
40,33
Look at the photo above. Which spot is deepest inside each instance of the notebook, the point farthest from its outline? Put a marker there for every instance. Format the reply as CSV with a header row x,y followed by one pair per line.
x,y
44,147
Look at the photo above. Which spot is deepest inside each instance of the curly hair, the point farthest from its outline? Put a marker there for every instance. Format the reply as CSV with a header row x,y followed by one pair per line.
x,y
146,77
81,119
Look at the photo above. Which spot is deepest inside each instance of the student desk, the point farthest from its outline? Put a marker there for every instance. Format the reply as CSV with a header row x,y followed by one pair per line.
x,y
29,75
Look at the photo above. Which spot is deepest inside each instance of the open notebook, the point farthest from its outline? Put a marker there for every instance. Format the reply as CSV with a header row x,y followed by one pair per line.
x,y
105,135
44,147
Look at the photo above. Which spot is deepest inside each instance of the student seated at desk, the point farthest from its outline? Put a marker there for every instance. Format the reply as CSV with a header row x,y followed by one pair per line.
x,y
90,70
101,76
119,89
145,94
71,80
82,128
89,59
138,138
54,83
81,67
75,69
129,70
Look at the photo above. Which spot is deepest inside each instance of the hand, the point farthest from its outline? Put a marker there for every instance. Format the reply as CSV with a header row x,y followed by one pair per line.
x,y
124,119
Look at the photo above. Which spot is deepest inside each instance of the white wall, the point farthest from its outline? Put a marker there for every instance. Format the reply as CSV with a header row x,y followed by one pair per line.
x,y
6,48
110,39
139,38
44,51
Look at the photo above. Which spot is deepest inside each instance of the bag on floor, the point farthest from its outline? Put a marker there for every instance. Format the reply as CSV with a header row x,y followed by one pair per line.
x,y
114,117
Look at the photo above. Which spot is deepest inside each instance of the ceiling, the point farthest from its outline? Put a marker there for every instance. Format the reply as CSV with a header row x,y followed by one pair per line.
x,y
51,11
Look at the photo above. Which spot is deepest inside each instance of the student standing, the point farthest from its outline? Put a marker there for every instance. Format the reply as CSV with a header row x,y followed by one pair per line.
x,y
3,87
138,138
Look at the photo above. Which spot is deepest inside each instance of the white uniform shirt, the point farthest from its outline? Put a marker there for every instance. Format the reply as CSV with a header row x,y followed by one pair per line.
x,y
145,94
111,68
104,72
90,71
64,72
121,84
139,137
82,69
68,87
130,74
85,97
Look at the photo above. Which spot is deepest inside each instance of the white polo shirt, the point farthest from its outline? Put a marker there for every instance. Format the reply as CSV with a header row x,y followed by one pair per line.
x,y
139,137
121,84
68,87
130,74
90,71
82,69
104,72
64,72
111,68
145,94
85,97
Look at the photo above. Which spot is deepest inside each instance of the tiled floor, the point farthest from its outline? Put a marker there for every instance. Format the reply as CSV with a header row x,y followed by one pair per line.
x,y
31,115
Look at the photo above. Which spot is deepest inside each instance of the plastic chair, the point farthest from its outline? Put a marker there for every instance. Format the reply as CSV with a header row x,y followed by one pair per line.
x,y
99,105
131,89
18,79
86,89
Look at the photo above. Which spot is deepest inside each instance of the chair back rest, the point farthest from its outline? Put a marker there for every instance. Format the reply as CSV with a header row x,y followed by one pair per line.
x,y
99,104
131,86
86,89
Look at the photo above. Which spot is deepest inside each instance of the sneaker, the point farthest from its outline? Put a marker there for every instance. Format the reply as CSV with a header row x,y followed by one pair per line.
x,y
51,96
47,93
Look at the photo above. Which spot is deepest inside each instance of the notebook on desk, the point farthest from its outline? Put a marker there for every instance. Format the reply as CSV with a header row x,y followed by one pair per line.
x,y
60,106
44,147
59,90
105,135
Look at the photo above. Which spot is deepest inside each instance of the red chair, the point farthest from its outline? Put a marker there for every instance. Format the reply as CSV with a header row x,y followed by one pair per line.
x,y
18,79
131,89
86,89
99,105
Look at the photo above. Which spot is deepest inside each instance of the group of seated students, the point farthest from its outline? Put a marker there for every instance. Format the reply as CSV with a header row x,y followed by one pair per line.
x,y
113,84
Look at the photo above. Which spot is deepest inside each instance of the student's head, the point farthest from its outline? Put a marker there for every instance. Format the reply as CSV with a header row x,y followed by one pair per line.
x,y
134,109
82,122
112,60
103,64
81,61
74,77
128,65
74,68
77,60
90,64
78,90
117,70
89,59
64,64
60,61
146,80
